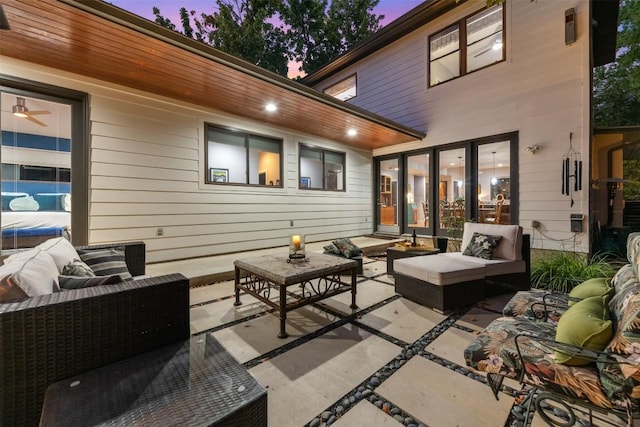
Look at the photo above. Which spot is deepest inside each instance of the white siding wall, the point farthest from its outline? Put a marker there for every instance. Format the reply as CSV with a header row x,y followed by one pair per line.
x,y
147,172
542,91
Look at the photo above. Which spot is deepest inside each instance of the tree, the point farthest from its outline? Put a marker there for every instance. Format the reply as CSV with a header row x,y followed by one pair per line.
x,y
240,28
616,86
316,31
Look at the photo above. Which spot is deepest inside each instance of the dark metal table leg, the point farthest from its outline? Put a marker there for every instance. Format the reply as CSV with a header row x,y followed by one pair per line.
x,y
353,289
283,312
237,286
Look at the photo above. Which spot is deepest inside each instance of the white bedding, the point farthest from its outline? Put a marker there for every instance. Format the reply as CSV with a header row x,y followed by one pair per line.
x,y
27,219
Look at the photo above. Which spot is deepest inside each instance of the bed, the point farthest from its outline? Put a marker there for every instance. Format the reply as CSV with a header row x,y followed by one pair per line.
x,y
28,228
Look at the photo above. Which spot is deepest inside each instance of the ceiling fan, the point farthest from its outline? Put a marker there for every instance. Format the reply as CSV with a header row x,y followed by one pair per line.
x,y
21,110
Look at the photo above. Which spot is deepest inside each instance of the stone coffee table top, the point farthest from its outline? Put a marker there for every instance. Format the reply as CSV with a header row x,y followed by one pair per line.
x,y
278,270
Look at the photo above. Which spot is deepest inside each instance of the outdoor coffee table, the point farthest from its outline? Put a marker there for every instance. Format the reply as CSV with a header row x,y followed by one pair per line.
x,y
314,280
188,383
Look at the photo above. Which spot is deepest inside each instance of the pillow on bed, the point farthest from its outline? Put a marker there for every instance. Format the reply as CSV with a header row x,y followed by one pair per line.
x,y
24,204
31,273
106,262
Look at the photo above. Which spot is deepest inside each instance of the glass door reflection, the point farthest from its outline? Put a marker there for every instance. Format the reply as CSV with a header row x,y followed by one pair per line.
x,y
388,207
417,197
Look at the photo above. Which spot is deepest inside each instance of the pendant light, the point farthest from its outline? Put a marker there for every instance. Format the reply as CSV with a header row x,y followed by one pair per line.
x,y
494,180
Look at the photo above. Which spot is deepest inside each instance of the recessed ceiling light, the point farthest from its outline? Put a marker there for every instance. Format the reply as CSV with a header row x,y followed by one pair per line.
x,y
452,164
352,132
500,165
271,107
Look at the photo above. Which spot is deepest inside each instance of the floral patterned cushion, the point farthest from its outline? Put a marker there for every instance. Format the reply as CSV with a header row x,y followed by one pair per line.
x,y
494,351
347,248
482,245
331,249
622,379
532,304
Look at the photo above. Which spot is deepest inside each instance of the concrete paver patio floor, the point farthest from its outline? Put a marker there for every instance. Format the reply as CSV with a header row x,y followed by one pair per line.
x,y
331,355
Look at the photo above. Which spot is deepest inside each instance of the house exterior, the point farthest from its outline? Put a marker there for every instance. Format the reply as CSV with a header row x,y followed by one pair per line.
x,y
147,135
504,97
152,136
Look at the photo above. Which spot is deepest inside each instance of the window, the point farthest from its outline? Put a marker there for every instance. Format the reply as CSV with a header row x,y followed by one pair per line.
x,y
344,89
241,158
321,169
467,46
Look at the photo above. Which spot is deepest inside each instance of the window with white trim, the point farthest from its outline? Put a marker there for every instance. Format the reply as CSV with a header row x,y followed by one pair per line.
x,y
469,45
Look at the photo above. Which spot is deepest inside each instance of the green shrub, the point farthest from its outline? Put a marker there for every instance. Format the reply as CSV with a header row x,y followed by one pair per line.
x,y
564,270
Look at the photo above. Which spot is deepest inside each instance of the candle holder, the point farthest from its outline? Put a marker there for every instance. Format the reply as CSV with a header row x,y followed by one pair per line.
x,y
296,248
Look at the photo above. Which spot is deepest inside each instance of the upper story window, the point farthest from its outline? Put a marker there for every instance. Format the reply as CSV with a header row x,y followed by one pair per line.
x,y
344,89
473,43
241,158
321,169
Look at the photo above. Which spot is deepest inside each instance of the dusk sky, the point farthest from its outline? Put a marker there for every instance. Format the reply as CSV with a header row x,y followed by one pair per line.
x,y
391,9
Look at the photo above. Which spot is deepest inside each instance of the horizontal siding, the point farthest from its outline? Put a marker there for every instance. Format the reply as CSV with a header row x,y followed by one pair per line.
x,y
541,91
147,164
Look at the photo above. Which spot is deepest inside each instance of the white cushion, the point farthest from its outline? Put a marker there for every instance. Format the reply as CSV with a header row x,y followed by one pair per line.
x,y
510,246
494,267
61,250
439,270
33,271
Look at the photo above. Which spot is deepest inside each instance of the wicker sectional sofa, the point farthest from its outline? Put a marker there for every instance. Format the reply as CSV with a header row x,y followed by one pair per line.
x,y
47,338
448,281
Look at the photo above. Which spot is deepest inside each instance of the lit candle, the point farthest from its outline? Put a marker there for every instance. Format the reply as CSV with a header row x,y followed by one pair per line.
x,y
296,242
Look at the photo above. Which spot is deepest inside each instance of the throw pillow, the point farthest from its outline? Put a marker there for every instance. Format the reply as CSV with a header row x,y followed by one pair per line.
x,y
71,282
591,288
482,245
584,324
77,268
24,204
31,273
107,261
620,380
347,248
332,249
61,250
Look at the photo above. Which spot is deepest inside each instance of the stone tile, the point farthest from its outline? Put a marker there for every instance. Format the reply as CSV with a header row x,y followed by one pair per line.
x,y
437,396
386,278
403,319
306,380
213,292
496,303
212,315
451,344
366,414
477,319
375,268
368,293
258,336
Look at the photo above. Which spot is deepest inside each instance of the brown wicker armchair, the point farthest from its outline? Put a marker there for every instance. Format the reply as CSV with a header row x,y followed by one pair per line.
x,y
51,337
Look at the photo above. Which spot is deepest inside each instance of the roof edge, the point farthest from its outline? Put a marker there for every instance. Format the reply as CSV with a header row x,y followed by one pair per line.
x,y
400,27
134,22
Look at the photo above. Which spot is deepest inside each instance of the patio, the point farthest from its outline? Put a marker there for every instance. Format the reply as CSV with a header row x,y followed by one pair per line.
x,y
410,356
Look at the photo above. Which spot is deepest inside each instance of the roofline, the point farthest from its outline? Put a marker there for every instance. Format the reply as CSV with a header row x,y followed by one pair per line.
x,y
156,31
405,24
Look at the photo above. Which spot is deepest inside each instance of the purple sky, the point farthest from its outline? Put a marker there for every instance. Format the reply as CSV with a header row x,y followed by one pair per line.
x,y
391,9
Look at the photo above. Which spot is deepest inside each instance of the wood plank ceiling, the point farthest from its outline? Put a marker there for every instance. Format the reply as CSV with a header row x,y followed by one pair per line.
x,y
97,40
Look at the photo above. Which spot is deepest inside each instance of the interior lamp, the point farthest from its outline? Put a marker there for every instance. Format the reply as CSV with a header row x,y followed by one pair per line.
x,y
296,248
494,180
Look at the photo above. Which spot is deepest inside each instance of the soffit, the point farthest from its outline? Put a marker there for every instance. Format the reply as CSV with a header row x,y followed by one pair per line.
x,y
95,39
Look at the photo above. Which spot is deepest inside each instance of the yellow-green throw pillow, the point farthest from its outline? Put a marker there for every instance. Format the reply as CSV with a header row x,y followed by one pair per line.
x,y
584,324
591,288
